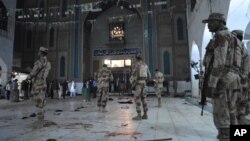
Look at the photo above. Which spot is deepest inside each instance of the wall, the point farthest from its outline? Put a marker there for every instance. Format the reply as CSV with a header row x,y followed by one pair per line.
x,y
99,36
6,42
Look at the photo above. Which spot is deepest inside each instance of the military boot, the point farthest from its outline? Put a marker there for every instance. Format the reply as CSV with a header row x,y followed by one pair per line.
x,y
39,123
159,102
138,117
145,115
224,134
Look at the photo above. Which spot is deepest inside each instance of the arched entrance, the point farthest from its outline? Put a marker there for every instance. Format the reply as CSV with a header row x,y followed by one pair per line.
x,y
195,69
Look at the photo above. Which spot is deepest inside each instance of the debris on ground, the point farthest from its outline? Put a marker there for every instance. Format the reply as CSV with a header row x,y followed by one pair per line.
x,y
165,139
51,140
58,110
78,126
111,99
33,115
125,101
78,108
48,123
124,124
125,107
122,133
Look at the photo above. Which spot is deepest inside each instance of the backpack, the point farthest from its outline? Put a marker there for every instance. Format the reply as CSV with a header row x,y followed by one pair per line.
x,y
239,53
142,71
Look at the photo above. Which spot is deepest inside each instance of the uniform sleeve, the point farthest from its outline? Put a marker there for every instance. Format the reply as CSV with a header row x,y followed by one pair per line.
x,y
245,62
220,54
207,56
133,71
35,69
47,70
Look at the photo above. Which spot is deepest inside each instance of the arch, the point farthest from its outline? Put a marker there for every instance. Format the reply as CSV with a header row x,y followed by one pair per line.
x,y
41,9
4,17
62,66
166,60
3,77
180,34
51,37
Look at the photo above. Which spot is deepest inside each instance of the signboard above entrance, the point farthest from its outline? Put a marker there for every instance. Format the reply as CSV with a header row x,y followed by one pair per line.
x,y
109,52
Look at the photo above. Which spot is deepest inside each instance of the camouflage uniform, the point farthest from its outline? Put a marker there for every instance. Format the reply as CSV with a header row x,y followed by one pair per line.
x,y
140,90
224,78
243,97
158,84
38,75
104,75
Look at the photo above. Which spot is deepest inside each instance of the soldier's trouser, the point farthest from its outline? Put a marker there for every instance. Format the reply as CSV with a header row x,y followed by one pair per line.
x,y
158,91
141,97
40,104
14,96
102,96
224,111
55,93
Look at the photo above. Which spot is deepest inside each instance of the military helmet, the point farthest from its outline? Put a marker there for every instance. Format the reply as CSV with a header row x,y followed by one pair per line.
x,y
215,16
43,49
238,32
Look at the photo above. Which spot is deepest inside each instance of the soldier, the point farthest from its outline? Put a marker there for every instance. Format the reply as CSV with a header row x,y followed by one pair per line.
x,y
104,75
242,102
38,76
139,75
158,84
224,78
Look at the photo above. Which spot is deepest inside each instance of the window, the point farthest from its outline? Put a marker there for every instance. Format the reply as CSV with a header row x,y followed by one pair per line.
x,y
64,8
116,31
3,17
180,30
41,9
29,39
62,66
164,6
51,37
166,60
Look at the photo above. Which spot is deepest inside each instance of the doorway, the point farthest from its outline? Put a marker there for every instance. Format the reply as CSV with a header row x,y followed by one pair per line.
x,y
121,72
121,83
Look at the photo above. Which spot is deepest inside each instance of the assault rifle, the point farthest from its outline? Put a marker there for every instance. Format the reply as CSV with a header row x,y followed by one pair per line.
x,y
205,89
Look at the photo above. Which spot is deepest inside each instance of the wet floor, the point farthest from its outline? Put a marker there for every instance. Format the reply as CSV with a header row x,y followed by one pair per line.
x,y
75,120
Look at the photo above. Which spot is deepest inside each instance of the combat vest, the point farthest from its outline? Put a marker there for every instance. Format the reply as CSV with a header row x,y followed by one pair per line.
x,y
142,71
